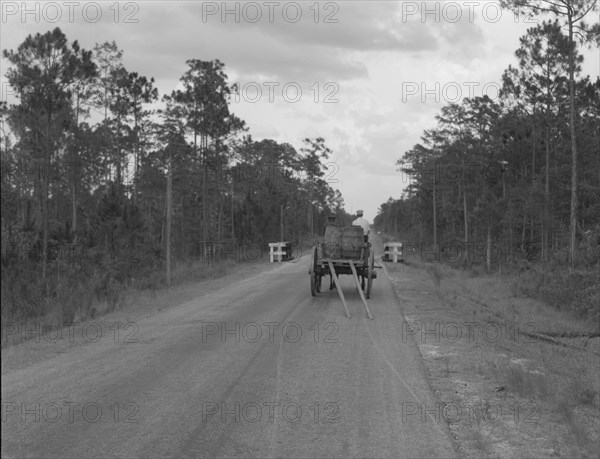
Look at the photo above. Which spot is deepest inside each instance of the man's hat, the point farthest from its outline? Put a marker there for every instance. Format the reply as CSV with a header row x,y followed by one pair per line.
x,y
359,213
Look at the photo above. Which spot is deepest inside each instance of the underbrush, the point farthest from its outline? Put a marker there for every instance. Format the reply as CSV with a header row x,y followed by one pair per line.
x,y
577,291
70,289
75,293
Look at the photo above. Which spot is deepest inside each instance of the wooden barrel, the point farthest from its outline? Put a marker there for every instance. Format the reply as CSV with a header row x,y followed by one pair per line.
x,y
352,242
332,242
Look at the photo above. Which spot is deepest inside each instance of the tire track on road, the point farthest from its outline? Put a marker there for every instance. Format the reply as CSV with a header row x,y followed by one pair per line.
x,y
196,434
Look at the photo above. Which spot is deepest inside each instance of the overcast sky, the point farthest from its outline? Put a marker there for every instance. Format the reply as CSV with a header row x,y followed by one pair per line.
x,y
368,76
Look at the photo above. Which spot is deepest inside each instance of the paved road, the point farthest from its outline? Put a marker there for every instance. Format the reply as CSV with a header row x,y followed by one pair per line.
x,y
258,369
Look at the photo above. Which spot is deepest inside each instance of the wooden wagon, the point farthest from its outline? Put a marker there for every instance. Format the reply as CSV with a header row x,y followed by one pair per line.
x,y
344,251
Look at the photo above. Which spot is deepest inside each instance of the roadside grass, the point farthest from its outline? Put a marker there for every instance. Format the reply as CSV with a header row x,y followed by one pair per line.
x,y
525,383
575,427
561,382
84,299
566,379
72,294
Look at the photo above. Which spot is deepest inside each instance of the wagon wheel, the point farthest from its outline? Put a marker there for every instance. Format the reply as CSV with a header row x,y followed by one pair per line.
x,y
315,278
370,273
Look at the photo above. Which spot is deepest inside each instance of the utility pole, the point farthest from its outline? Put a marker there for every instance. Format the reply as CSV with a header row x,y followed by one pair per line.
x,y
281,239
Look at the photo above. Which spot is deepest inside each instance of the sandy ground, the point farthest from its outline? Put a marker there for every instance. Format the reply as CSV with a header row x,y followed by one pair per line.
x,y
503,393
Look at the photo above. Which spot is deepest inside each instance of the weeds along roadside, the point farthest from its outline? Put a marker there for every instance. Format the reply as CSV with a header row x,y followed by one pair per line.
x,y
77,295
558,380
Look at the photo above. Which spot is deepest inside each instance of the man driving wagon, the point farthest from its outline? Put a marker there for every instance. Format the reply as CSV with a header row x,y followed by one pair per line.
x,y
360,221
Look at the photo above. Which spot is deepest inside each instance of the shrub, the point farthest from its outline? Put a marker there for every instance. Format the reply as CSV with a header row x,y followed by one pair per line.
x,y
530,281
577,291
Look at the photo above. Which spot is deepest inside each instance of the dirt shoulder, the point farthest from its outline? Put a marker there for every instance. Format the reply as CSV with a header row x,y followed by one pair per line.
x,y
503,391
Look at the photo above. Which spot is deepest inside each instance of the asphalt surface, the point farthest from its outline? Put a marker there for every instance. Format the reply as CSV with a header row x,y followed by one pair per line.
x,y
257,369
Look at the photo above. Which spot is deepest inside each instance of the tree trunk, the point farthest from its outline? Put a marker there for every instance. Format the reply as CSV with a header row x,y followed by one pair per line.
x,y
466,217
434,214
523,232
74,212
533,145
531,228
168,228
45,186
573,219
204,191
232,221
542,237
136,157
220,222
546,216
510,235
184,249
73,177
488,254
466,222
118,160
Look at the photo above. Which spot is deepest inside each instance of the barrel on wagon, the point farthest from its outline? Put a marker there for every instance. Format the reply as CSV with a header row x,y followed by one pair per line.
x,y
352,242
343,242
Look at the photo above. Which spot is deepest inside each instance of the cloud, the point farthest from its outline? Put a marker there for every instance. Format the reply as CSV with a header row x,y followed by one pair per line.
x,y
369,53
355,25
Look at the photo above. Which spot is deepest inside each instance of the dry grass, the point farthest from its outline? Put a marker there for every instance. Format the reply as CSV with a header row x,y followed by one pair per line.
x,y
525,383
562,383
86,301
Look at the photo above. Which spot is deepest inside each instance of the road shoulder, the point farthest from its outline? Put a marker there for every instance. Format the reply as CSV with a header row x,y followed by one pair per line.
x,y
502,392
